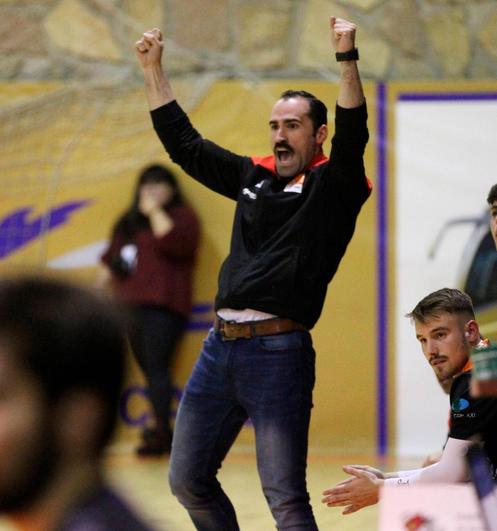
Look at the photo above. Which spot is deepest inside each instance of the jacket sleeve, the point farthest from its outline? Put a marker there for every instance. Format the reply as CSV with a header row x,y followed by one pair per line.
x,y
346,167
217,168
112,249
182,241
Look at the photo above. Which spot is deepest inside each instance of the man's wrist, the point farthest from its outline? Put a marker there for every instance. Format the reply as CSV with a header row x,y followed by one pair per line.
x,y
153,73
398,482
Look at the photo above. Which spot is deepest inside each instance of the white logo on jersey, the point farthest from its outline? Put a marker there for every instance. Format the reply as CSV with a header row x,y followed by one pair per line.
x,y
246,191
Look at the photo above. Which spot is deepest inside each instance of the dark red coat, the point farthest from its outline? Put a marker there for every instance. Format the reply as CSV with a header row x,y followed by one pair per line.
x,y
164,267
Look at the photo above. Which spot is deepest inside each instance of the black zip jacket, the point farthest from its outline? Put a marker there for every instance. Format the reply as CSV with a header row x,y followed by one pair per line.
x,y
285,245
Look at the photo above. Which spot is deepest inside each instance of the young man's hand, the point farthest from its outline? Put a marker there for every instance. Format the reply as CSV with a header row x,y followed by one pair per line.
x,y
356,492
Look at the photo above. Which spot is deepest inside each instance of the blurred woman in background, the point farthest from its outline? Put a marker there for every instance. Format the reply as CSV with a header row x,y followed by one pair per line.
x,y
149,264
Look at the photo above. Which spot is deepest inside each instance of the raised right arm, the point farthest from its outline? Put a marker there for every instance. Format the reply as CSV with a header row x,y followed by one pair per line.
x,y
217,168
148,50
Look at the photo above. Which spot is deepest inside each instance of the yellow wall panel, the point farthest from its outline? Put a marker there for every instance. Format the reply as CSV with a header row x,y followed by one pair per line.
x,y
90,147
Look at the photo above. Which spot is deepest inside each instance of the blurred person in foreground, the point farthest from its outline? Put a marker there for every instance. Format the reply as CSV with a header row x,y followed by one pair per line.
x,y
62,353
447,331
149,264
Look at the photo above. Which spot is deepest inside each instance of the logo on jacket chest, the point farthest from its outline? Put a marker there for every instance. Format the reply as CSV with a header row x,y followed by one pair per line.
x,y
253,194
293,186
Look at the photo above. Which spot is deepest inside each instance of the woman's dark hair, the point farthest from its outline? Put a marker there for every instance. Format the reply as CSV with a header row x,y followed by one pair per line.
x,y
132,220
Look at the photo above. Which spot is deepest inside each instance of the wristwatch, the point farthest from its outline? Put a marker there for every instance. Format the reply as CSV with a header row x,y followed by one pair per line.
x,y
351,55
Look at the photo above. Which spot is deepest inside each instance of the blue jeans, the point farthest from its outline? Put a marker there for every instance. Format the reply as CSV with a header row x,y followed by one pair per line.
x,y
268,379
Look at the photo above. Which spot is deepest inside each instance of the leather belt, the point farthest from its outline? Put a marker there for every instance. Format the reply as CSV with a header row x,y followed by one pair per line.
x,y
267,327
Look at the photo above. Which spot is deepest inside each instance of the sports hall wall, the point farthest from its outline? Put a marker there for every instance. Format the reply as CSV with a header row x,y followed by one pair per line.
x,y
75,131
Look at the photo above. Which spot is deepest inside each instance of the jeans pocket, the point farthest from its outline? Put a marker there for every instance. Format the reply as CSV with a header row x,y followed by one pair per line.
x,y
289,341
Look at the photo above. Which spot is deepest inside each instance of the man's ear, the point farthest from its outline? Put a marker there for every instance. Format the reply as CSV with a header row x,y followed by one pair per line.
x,y
322,134
472,332
79,418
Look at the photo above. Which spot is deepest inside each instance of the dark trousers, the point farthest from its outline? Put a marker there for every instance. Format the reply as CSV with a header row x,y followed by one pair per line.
x,y
154,335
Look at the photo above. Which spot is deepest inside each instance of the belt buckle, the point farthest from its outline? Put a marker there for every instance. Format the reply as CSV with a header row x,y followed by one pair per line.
x,y
223,335
226,338
250,334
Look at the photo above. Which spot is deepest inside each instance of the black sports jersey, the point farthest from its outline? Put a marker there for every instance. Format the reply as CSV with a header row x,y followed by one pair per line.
x,y
473,418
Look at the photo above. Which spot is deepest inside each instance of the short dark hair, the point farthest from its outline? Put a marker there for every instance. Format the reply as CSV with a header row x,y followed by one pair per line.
x,y
67,338
492,195
445,300
318,113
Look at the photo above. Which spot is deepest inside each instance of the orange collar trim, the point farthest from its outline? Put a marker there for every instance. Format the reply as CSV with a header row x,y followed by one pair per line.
x,y
468,367
270,164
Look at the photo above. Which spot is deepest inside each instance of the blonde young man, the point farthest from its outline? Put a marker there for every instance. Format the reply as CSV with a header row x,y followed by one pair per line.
x,y
447,331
